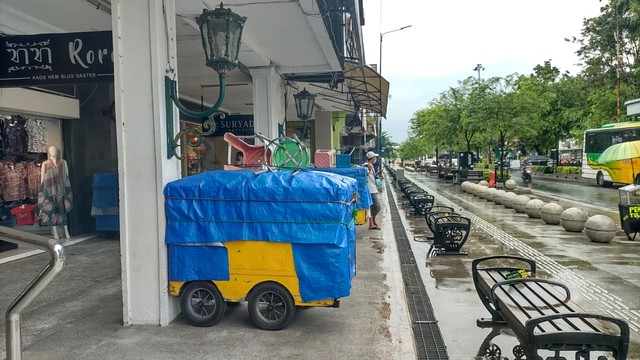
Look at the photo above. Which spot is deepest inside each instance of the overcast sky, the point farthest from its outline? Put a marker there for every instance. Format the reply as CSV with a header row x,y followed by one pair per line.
x,y
448,38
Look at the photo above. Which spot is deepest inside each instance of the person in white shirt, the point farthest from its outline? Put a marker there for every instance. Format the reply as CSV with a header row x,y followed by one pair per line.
x,y
373,189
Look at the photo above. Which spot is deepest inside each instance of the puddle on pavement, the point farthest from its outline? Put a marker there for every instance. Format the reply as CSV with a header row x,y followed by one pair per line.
x,y
378,245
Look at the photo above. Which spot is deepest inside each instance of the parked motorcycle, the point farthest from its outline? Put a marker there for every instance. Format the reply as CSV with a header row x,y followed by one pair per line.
x,y
526,173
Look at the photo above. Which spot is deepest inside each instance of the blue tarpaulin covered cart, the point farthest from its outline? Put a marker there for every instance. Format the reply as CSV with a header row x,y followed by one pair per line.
x,y
276,239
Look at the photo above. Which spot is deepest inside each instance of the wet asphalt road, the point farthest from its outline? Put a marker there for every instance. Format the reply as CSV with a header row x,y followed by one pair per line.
x,y
578,191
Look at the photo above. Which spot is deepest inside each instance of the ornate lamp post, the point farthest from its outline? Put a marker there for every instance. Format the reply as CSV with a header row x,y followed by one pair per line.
x,y
221,31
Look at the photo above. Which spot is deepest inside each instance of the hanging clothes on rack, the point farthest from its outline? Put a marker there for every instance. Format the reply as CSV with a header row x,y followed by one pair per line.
x,y
2,152
33,178
37,138
16,138
13,177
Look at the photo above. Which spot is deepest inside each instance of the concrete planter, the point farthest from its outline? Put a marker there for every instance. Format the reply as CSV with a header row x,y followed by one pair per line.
x,y
519,203
507,199
550,213
533,208
573,219
497,196
600,228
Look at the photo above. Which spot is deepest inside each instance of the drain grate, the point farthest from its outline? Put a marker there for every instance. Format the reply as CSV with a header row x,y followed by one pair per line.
x,y
429,342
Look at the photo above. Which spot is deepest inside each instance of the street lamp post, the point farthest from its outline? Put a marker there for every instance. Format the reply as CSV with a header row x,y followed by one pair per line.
x,y
478,68
379,144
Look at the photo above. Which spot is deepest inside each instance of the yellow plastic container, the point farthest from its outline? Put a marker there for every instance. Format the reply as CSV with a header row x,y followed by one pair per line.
x,y
361,217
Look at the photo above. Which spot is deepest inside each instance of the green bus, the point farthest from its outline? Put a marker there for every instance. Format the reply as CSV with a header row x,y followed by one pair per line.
x,y
596,141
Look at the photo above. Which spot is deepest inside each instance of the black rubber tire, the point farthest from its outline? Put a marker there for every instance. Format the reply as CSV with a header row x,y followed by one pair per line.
x,y
202,304
600,179
271,306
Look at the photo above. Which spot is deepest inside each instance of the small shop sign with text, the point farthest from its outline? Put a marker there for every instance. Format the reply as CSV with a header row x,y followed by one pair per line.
x,y
240,125
50,59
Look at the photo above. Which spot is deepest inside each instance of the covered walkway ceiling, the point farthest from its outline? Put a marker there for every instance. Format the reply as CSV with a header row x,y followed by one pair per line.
x,y
288,34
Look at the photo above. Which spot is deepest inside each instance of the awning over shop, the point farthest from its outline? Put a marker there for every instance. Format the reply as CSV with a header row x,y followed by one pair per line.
x,y
368,88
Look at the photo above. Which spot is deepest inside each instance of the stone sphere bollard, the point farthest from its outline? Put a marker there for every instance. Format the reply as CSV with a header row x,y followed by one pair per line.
x,y
483,183
573,219
482,191
600,228
470,187
507,199
551,212
490,193
519,203
533,208
497,196
510,184
476,189
464,185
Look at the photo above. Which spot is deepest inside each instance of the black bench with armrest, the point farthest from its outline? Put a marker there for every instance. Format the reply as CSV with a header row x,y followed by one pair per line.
x,y
446,174
450,232
469,175
420,203
541,314
432,170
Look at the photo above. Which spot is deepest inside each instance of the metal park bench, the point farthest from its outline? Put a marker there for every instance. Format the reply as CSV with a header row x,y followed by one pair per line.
x,y
541,314
469,175
432,170
433,211
450,232
446,175
420,203
416,197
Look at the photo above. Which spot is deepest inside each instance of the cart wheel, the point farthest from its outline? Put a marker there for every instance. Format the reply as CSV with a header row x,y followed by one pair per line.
x,y
271,307
202,304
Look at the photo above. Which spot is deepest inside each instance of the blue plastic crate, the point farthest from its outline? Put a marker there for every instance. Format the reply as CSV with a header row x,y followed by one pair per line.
x,y
107,223
105,181
343,160
105,198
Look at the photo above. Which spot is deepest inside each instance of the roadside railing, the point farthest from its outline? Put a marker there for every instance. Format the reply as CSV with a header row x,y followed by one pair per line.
x,y
44,277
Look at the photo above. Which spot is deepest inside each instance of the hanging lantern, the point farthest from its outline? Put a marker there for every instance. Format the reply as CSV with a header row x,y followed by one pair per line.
x,y
221,30
304,104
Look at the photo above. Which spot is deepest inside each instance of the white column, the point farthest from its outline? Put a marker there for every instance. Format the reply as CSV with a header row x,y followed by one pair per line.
x,y
268,101
324,130
144,46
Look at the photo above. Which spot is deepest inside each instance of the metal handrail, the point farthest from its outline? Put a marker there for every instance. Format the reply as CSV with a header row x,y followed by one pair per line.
x,y
44,277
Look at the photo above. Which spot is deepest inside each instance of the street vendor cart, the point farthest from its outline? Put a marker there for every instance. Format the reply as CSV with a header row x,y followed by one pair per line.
x,y
278,240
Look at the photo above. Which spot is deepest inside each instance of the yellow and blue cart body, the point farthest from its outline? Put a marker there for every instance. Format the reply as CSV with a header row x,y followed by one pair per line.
x,y
241,229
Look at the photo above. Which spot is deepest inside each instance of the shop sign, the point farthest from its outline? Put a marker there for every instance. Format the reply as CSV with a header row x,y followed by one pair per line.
x,y
61,58
240,125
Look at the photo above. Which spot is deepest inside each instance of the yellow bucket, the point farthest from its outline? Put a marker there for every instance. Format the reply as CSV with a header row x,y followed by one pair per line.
x,y
361,217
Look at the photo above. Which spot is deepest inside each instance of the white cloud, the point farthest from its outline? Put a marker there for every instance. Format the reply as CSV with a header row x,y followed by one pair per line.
x,y
448,38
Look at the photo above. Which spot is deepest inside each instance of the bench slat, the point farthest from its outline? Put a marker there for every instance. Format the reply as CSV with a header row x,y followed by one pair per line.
x,y
528,300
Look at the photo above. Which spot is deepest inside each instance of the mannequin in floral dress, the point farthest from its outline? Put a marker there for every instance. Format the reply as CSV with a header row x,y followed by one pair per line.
x,y
55,199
